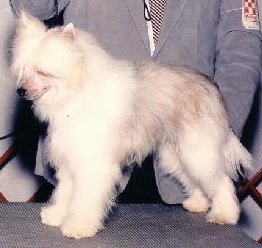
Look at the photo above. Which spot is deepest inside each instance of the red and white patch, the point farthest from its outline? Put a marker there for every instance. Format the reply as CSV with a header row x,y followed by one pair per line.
x,y
250,14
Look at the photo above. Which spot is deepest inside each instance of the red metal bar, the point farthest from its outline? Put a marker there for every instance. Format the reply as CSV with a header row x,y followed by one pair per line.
x,y
7,156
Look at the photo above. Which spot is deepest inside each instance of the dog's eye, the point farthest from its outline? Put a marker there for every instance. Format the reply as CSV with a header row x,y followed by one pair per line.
x,y
42,73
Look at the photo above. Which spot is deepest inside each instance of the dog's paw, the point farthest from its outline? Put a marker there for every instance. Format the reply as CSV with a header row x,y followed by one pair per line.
x,y
196,206
223,217
52,215
78,229
196,203
224,210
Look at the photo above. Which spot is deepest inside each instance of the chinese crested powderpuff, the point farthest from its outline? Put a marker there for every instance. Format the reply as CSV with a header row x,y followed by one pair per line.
x,y
104,113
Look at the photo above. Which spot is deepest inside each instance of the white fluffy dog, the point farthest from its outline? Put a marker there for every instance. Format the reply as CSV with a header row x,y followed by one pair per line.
x,y
104,113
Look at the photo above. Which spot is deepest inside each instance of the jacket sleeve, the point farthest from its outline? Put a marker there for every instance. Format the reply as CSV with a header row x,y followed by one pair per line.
x,y
42,9
238,60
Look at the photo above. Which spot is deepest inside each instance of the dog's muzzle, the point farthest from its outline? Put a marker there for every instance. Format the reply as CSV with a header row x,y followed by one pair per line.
x,y
21,92
32,93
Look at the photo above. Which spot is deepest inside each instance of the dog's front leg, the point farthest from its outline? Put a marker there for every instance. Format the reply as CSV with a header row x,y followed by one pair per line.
x,y
93,195
55,212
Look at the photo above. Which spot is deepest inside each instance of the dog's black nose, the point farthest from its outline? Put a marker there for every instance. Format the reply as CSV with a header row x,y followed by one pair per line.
x,y
21,92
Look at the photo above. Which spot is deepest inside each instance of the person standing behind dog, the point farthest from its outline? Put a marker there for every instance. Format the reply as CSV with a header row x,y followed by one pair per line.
x,y
221,39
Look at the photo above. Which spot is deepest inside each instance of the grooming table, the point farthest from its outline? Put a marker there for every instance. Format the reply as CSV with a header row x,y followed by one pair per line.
x,y
129,225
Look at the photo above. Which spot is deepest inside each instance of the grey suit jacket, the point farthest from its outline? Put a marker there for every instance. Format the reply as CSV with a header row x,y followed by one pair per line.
x,y
206,35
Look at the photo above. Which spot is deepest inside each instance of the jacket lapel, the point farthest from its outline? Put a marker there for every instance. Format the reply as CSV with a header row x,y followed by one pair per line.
x,y
136,10
173,10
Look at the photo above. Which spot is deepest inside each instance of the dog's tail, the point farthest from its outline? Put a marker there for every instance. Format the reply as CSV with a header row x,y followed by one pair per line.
x,y
236,156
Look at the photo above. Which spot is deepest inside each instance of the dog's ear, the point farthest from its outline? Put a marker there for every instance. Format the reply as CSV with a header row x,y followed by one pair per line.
x,y
69,31
29,24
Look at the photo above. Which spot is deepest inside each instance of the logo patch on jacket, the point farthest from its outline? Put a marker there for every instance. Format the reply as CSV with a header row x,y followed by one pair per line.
x,y
250,14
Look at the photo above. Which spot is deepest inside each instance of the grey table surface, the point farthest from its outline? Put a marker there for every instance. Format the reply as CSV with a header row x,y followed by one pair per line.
x,y
129,225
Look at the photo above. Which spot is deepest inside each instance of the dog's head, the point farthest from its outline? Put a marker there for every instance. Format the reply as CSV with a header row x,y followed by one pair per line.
x,y
48,64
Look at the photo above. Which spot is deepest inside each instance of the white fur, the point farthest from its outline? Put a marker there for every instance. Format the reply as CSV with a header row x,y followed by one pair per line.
x,y
104,113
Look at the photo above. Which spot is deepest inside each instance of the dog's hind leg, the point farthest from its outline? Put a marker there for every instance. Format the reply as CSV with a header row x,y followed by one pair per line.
x,y
54,213
225,206
197,201
169,160
203,159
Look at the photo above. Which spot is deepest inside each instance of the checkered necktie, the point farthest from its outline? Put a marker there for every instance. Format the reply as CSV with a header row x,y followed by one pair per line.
x,y
157,8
